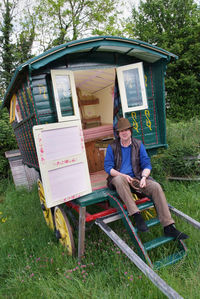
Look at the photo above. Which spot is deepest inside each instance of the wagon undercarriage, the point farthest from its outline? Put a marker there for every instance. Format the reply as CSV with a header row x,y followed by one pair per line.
x,y
114,210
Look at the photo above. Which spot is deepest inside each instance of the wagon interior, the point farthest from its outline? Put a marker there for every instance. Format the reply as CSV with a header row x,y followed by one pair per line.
x,y
95,91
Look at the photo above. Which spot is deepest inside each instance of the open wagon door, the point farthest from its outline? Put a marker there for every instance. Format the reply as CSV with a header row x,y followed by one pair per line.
x,y
132,87
60,146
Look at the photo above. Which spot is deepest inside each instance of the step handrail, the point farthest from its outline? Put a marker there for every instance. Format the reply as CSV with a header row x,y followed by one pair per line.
x,y
189,219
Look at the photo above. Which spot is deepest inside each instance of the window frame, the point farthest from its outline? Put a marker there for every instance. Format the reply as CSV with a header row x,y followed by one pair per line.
x,y
12,108
122,88
70,74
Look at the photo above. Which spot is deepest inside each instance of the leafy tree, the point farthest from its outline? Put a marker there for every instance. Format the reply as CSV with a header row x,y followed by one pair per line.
x,y
60,21
14,48
175,26
6,48
25,38
7,141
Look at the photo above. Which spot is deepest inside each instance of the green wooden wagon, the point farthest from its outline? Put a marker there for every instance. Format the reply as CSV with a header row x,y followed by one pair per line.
x,y
64,105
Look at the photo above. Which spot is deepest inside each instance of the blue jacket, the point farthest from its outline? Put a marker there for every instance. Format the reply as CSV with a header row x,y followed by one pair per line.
x,y
129,160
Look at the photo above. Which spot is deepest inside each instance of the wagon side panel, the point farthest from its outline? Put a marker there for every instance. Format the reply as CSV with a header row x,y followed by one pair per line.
x,y
43,97
23,127
158,78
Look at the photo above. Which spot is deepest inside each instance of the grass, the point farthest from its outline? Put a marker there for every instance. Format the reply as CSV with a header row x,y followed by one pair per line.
x,y
181,157
34,265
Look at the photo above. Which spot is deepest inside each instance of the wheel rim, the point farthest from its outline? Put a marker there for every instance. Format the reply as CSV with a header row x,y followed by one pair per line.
x,y
64,229
48,216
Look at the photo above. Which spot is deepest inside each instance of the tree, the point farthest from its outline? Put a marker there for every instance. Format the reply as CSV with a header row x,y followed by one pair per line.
x,y
6,48
7,141
26,29
15,47
25,39
60,21
175,26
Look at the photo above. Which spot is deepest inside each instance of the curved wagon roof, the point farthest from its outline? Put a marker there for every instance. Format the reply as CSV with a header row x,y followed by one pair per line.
x,y
125,46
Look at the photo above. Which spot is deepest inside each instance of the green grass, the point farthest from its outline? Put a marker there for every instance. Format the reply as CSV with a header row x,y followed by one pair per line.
x,y
34,265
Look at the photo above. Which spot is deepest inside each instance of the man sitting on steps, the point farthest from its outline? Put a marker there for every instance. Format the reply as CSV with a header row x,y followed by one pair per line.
x,y
128,165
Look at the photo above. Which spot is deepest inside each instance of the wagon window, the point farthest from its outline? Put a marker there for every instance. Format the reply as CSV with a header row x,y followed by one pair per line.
x,y
12,108
132,87
15,113
18,114
65,95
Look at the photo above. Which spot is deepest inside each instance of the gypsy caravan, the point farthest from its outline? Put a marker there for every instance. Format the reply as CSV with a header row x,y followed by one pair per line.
x,y
64,105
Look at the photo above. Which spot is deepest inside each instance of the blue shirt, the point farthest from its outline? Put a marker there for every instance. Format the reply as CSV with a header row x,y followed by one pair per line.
x,y
126,166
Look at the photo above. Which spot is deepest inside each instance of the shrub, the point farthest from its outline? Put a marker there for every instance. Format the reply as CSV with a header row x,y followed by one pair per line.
x,y
7,141
181,157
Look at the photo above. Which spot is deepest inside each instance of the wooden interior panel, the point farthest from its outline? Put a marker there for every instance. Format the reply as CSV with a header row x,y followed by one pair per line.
x,y
95,156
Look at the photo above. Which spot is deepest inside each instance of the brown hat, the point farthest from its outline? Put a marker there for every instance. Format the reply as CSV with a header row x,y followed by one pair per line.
x,y
123,124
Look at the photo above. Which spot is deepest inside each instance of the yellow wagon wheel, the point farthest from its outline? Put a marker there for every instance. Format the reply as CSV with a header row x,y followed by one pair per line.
x,y
64,230
48,216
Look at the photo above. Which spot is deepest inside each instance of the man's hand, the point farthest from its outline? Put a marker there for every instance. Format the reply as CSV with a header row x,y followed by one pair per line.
x,y
114,172
143,182
128,178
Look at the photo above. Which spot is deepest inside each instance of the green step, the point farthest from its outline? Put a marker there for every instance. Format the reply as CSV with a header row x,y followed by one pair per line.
x,y
157,242
145,205
152,222
169,260
94,197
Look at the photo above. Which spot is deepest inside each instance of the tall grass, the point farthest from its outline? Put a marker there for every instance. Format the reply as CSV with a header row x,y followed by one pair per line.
x,y
34,265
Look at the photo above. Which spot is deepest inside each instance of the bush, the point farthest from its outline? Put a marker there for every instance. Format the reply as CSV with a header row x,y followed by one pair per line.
x,y
7,141
181,157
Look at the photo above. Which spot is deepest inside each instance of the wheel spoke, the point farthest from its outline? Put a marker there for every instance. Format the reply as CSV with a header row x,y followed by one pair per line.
x,y
46,211
62,224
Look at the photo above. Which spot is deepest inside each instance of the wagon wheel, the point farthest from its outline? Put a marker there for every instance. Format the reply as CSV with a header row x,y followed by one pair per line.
x,y
48,216
64,230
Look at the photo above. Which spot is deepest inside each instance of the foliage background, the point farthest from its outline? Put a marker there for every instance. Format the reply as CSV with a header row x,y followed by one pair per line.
x,y
182,157
7,141
174,25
